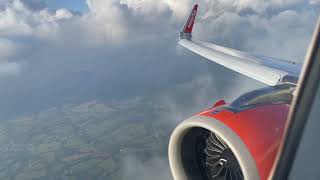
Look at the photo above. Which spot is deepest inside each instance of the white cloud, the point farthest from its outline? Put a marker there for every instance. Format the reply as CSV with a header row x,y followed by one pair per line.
x,y
16,20
105,21
59,14
278,28
145,6
314,2
284,34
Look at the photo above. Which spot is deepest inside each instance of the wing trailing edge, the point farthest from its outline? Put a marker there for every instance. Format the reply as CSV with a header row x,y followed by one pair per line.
x,y
267,70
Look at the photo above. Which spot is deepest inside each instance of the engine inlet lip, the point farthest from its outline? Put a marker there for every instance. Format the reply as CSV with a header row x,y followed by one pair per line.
x,y
242,154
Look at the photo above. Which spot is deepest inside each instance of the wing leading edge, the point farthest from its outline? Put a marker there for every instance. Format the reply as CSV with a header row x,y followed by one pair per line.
x,y
267,70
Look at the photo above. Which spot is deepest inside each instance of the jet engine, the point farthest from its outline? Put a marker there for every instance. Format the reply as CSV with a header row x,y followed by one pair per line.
x,y
222,143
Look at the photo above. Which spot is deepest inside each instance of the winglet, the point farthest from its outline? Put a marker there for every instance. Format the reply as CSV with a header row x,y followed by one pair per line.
x,y
186,32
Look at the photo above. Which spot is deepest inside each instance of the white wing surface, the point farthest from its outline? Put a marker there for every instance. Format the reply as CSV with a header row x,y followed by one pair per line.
x,y
270,71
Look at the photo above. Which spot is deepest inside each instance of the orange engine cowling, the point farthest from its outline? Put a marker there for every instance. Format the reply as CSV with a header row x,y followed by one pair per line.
x,y
221,144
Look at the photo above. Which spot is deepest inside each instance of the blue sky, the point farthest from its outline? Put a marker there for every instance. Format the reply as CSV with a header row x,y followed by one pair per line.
x,y
75,5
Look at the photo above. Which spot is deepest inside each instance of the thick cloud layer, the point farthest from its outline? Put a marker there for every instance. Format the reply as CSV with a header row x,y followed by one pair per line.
x,y
42,46
53,51
280,28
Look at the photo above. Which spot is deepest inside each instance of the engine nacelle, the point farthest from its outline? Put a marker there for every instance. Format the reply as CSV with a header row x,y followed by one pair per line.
x,y
237,146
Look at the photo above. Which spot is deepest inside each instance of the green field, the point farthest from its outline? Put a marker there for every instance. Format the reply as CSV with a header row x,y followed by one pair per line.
x,y
91,140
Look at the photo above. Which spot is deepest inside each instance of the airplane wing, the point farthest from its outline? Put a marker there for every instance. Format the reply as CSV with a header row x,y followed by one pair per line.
x,y
270,71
